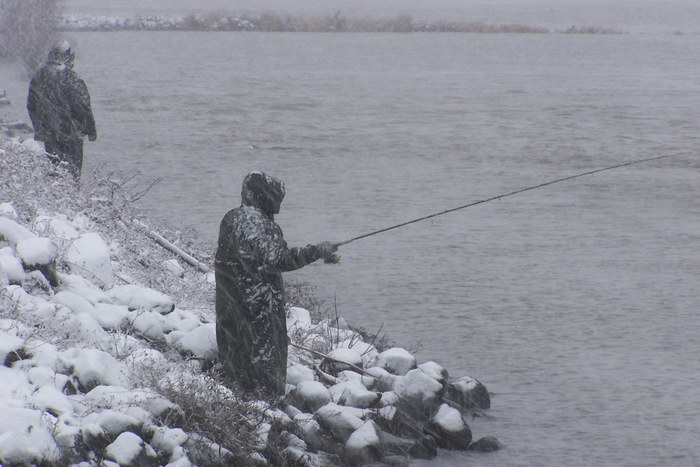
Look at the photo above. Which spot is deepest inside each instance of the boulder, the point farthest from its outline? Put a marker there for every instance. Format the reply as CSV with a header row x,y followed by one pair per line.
x,y
130,450
449,429
354,394
340,421
89,256
486,444
397,361
309,396
468,393
378,379
341,359
364,444
419,394
298,373
141,298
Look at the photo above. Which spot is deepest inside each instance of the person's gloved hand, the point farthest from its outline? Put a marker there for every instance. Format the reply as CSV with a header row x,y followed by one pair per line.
x,y
92,137
326,250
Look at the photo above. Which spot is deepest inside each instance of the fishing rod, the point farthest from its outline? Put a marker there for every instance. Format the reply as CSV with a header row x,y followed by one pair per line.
x,y
505,195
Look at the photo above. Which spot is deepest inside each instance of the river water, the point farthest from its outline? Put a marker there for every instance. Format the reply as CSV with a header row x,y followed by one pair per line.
x,y
576,304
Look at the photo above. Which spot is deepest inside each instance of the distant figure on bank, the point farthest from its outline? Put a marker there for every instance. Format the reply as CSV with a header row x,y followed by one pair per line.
x,y
251,328
59,107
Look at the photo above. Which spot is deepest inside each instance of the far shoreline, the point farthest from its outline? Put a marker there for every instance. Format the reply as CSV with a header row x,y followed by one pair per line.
x,y
274,22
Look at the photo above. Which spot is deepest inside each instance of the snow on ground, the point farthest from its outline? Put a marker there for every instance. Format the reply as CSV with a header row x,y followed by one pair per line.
x,y
107,344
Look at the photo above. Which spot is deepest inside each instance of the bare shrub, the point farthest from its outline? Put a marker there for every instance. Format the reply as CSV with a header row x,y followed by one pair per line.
x,y
34,186
225,435
28,28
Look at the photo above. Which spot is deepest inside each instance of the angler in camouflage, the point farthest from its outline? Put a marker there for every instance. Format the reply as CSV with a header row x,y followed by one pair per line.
x,y
59,108
252,254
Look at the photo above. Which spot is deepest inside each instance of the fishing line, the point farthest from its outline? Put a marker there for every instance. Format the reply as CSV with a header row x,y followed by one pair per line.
x,y
505,195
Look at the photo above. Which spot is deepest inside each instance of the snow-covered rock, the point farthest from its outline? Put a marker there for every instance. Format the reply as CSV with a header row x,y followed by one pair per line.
x,y
397,361
9,343
354,394
36,251
449,428
298,318
141,298
468,393
419,394
11,266
341,421
308,396
13,232
341,359
298,373
89,256
129,450
94,367
200,342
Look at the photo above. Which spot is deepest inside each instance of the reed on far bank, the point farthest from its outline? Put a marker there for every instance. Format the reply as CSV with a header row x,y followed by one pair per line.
x,y
278,22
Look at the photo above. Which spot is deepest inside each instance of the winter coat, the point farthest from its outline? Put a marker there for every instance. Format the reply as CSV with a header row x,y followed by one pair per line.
x,y
251,326
59,105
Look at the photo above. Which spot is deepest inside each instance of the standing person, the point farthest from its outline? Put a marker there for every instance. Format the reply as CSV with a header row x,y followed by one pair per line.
x,y
251,328
59,107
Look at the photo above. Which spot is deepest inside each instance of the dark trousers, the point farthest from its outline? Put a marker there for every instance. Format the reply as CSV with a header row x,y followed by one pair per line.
x,y
70,152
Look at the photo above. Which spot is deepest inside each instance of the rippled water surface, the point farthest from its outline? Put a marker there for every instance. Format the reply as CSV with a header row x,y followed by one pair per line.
x,y
576,304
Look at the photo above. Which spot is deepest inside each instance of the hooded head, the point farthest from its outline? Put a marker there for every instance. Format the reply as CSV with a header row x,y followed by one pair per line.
x,y
263,192
61,54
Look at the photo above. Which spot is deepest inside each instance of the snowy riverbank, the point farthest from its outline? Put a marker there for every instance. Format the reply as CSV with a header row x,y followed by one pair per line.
x,y
109,354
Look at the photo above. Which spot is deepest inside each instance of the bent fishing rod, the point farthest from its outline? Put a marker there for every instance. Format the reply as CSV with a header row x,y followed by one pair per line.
x,y
505,195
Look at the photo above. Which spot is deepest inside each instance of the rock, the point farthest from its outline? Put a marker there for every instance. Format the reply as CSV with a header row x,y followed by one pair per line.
x,y
486,444
93,367
9,344
309,396
435,371
364,444
89,256
168,439
341,359
76,303
298,373
378,379
111,317
200,342
316,438
340,421
298,318
419,394
468,393
449,429
13,232
141,298
11,266
354,394
398,422
129,450
397,361
424,448
148,324
37,251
